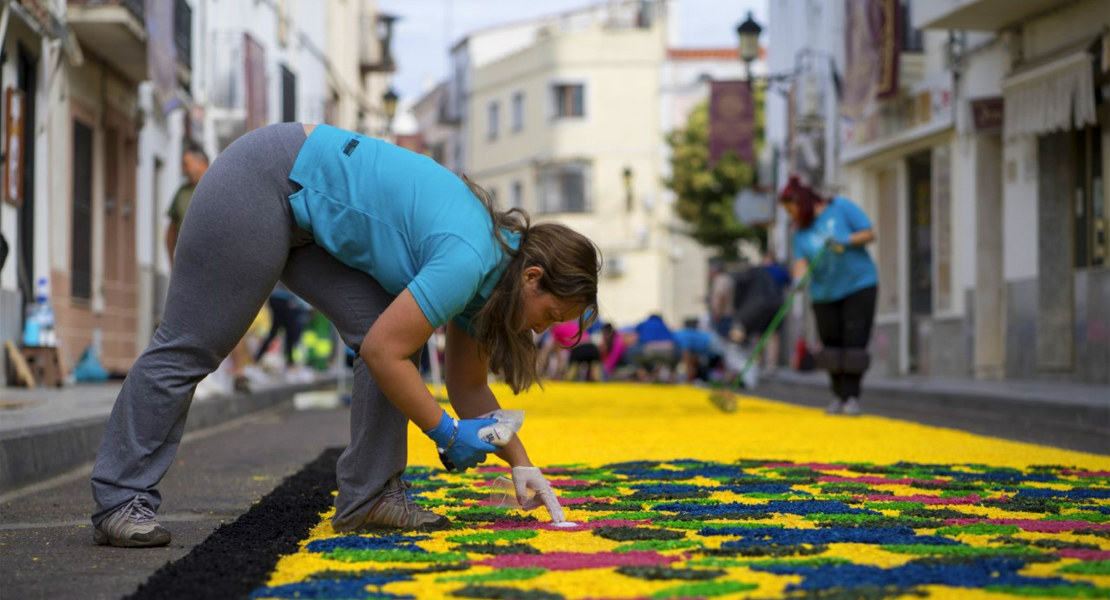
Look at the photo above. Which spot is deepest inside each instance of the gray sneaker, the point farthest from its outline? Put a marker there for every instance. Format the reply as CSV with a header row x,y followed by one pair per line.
x,y
395,511
851,408
132,526
835,407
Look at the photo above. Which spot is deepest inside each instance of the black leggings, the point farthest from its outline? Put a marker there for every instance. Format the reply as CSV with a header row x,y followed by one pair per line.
x,y
846,323
285,316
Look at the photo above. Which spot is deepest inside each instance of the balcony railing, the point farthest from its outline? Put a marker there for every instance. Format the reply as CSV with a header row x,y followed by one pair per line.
x,y
374,47
135,7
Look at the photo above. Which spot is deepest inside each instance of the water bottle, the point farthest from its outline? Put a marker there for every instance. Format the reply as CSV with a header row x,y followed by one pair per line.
x,y
47,336
31,328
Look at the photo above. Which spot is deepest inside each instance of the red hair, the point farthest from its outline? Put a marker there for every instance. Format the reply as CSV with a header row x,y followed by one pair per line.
x,y
802,196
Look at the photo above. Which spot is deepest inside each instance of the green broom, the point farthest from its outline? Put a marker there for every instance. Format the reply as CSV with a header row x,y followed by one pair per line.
x,y
724,396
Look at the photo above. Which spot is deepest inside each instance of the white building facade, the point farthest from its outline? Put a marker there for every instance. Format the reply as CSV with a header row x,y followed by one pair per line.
x,y
106,113
1033,137
982,171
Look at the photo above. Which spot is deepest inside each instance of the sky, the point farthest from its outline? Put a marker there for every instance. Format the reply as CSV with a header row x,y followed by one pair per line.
x,y
427,28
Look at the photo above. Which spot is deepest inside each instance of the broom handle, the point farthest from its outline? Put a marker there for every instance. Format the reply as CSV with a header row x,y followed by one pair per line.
x,y
778,319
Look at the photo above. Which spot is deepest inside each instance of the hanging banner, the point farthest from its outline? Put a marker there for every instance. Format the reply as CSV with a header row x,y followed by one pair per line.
x,y
161,52
731,121
871,53
254,65
15,105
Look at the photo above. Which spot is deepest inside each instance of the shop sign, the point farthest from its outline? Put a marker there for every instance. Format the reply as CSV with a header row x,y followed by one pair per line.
x,y
986,114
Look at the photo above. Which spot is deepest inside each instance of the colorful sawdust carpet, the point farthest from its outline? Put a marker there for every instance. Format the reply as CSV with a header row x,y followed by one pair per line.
x,y
752,528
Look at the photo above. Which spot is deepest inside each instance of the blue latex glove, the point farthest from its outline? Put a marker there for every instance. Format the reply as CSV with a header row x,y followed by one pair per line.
x,y
458,443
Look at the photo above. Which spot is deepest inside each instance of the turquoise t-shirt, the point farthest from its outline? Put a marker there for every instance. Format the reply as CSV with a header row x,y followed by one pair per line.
x,y
838,275
402,218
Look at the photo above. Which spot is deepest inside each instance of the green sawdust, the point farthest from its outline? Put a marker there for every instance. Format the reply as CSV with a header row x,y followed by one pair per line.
x,y
590,491
611,507
657,546
749,481
933,550
1091,567
1057,591
900,506
769,550
483,514
467,494
1090,517
507,535
950,493
636,534
1047,544
504,593
698,525
653,573
705,590
657,496
881,521
1102,533
351,555
979,529
934,513
844,488
433,568
498,549
744,562
507,574
866,592
628,516
1023,504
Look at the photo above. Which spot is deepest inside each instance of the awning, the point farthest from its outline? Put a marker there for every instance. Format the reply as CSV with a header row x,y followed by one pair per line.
x,y
1053,94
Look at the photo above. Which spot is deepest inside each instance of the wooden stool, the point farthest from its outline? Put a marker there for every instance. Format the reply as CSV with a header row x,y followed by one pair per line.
x,y
43,362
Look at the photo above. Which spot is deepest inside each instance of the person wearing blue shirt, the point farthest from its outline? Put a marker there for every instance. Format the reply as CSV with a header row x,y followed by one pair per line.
x,y
701,350
843,286
389,246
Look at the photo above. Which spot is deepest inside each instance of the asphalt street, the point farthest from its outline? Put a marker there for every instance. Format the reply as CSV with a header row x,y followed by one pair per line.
x,y
46,547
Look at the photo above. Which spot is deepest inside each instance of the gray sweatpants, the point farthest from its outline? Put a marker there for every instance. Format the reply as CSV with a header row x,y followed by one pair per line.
x,y
239,240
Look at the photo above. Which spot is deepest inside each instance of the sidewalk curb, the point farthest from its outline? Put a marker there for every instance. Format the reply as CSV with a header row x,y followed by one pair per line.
x,y
36,454
1049,408
1074,423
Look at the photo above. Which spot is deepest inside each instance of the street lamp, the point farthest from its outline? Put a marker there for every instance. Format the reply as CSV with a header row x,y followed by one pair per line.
x,y
748,32
628,188
389,103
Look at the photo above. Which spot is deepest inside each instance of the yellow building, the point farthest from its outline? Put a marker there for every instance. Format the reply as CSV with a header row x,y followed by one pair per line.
x,y
569,126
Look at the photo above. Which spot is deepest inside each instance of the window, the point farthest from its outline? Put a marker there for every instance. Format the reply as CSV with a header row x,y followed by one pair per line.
x,y
288,95
494,110
564,188
517,198
913,40
439,152
518,111
81,242
1089,222
569,101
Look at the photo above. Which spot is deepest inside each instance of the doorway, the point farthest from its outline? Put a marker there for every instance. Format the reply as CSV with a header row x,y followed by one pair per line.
x,y
919,169
27,81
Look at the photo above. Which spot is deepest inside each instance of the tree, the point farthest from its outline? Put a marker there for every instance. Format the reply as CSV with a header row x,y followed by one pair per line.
x,y
705,195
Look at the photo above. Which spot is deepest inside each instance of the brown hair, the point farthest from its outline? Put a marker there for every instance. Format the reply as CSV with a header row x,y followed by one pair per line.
x,y
802,196
570,263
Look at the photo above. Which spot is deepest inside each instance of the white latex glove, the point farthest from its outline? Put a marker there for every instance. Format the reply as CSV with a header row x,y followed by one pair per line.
x,y
530,478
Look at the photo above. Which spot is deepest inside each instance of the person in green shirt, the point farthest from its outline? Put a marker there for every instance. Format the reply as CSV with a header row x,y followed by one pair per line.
x,y
194,163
